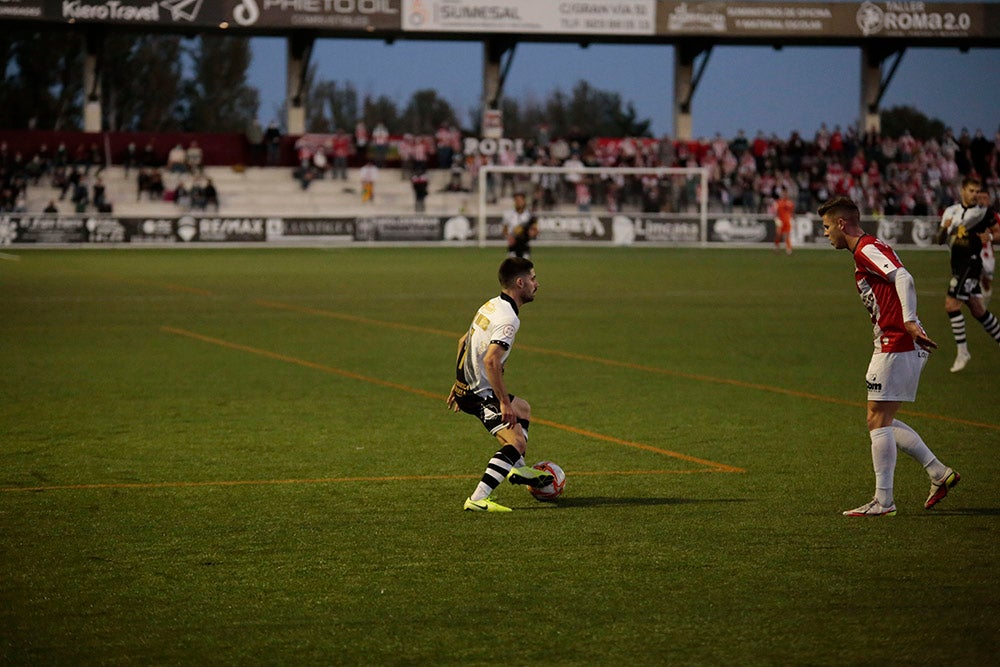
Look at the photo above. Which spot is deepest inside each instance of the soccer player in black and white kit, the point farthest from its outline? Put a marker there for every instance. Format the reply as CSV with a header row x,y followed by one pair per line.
x,y
519,227
961,225
480,389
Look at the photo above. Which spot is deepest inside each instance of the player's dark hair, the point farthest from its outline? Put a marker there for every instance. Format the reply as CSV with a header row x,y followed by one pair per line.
x,y
844,206
972,180
513,268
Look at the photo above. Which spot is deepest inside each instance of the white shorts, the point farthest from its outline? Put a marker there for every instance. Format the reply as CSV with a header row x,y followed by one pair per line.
x,y
894,376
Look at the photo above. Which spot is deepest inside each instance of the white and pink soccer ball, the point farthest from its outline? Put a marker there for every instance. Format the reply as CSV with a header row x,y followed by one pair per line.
x,y
553,490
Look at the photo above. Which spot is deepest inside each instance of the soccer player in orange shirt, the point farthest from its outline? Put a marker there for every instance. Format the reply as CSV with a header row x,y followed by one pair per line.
x,y
784,209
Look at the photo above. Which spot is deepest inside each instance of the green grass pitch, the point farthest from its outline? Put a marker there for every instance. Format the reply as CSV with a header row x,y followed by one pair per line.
x,y
243,456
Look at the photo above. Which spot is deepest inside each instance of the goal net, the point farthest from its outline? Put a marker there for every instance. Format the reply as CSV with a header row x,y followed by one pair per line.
x,y
581,196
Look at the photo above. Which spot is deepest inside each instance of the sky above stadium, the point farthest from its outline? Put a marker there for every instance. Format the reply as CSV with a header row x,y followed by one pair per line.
x,y
748,88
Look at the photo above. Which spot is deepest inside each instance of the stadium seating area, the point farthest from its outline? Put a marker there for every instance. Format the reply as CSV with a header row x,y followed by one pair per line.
x,y
269,191
885,175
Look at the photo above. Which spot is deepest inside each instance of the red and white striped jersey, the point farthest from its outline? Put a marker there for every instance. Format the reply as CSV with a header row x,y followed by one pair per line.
x,y
875,270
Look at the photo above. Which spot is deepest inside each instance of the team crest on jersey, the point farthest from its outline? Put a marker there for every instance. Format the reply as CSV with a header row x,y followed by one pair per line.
x,y
508,331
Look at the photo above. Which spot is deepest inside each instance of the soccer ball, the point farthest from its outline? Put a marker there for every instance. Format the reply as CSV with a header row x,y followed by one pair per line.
x,y
553,490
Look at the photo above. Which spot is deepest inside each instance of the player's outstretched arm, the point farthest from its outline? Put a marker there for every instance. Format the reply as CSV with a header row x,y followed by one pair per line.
x,y
907,291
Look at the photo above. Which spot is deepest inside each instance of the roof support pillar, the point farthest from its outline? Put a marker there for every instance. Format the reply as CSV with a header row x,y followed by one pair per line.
x,y
300,48
688,70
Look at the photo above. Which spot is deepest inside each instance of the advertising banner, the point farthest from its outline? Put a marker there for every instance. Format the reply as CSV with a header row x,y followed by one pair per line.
x,y
741,229
361,15
902,19
582,227
221,229
21,9
311,228
18,228
808,230
150,230
398,228
42,229
178,13
417,228
572,17
340,15
627,229
829,20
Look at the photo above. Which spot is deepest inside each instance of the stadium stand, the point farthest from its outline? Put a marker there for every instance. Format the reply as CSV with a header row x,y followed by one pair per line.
x,y
267,190
885,175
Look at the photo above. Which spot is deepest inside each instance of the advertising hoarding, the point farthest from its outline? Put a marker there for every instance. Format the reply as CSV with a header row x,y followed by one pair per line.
x,y
361,15
826,20
21,9
594,17
801,22
334,15
743,229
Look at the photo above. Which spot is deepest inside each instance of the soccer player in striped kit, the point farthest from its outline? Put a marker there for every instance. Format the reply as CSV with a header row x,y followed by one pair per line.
x,y
480,390
901,350
962,225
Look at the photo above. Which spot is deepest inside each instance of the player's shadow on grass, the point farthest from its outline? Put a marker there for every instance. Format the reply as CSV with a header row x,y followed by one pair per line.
x,y
966,511
600,501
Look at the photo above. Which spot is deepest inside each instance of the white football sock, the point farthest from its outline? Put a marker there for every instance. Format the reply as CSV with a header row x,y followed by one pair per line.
x,y
910,442
884,461
482,491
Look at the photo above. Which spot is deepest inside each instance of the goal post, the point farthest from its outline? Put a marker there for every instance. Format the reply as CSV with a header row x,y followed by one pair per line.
x,y
484,188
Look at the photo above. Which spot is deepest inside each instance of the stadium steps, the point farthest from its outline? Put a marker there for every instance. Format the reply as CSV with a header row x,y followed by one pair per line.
x,y
273,191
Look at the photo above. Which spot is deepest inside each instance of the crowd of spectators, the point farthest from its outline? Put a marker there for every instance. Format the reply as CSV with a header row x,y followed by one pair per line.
x,y
322,156
68,172
198,194
77,177
884,175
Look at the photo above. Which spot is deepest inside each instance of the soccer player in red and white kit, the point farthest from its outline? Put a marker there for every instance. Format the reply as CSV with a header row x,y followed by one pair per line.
x,y
901,350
